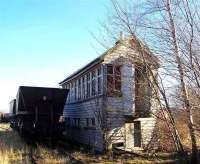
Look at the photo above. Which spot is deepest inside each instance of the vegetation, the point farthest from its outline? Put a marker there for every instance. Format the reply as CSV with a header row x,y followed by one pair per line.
x,y
15,150
170,30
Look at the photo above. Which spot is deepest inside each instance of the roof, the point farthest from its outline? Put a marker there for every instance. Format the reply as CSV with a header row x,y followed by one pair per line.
x,y
100,58
28,97
97,60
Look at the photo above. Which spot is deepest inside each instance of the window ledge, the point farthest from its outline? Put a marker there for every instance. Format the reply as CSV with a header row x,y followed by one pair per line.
x,y
115,94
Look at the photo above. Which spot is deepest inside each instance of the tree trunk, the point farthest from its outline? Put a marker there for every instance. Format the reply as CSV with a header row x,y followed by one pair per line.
x,y
194,158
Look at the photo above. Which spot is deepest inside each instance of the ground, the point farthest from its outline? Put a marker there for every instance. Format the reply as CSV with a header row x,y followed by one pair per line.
x,y
13,149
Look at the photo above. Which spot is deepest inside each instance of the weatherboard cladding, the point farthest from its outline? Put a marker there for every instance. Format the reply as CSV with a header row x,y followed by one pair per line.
x,y
114,107
87,135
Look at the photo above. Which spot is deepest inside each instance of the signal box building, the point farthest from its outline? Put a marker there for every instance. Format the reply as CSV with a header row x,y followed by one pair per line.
x,y
110,102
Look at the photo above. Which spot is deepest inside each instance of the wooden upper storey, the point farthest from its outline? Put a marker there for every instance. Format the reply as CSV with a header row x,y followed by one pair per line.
x,y
103,75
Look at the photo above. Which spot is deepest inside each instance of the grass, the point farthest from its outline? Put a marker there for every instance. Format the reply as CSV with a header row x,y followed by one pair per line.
x,y
14,150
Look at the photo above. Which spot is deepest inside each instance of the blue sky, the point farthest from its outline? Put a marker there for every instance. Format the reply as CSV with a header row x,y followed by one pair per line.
x,y
43,41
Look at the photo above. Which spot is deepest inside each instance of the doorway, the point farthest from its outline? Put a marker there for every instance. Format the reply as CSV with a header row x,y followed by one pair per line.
x,y
137,134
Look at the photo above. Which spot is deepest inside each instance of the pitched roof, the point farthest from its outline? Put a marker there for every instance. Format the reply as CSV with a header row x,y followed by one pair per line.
x,y
100,58
93,62
97,60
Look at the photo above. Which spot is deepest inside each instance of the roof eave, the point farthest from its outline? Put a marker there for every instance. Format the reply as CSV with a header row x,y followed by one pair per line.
x,y
84,69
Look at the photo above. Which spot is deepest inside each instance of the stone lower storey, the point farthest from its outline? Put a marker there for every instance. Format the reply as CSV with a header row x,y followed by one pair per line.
x,y
132,136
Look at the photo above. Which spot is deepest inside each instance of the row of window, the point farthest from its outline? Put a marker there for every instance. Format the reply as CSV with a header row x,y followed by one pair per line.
x,y
76,122
86,86
91,84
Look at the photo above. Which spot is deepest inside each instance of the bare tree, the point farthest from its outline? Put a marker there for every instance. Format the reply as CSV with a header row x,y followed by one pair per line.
x,y
171,29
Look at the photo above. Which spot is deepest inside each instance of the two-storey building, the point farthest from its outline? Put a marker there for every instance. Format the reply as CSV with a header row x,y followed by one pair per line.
x,y
110,99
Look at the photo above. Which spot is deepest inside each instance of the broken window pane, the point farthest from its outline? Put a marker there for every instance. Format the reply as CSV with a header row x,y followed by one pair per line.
x,y
113,80
110,69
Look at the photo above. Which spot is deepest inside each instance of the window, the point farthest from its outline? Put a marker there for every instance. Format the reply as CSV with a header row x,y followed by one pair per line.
x,y
90,122
99,80
79,89
88,85
113,80
83,87
110,79
75,91
87,122
93,83
93,121
67,87
143,91
72,91
76,122
117,78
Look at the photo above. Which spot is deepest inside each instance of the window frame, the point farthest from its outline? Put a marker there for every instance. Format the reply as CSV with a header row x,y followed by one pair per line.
x,y
94,82
88,85
79,88
99,80
90,122
76,122
112,90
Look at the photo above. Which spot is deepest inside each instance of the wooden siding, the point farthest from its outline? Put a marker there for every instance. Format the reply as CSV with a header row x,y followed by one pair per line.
x,y
115,108
91,136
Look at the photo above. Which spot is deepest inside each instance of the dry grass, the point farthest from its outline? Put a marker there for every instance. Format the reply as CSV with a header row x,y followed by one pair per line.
x,y
14,150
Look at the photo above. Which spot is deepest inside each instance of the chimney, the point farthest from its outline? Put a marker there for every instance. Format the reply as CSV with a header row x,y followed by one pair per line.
x,y
121,36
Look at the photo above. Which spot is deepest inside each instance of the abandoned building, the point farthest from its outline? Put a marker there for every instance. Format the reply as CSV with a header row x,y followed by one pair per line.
x,y
111,101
